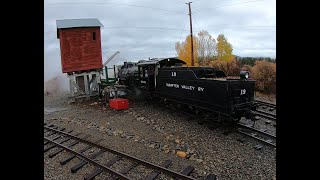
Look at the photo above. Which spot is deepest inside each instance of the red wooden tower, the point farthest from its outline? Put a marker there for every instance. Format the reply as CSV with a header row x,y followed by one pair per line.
x,y
80,44
81,56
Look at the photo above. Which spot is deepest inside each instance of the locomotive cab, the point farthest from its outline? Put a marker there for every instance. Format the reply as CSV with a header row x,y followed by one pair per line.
x,y
148,71
147,76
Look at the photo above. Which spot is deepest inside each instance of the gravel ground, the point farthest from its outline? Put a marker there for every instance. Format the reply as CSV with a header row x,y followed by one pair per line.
x,y
155,135
271,98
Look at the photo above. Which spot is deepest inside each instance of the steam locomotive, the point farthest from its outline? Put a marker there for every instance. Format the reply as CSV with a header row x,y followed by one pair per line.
x,y
202,88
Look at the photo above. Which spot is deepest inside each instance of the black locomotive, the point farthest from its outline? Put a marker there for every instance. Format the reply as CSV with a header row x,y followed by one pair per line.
x,y
204,88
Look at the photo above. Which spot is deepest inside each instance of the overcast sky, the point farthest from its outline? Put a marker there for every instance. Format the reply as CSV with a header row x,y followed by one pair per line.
x,y
249,25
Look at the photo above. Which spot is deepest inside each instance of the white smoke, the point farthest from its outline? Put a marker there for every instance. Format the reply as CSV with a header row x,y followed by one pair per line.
x,y
55,82
57,85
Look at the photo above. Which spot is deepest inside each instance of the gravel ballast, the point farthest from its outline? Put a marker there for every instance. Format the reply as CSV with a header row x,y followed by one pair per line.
x,y
155,135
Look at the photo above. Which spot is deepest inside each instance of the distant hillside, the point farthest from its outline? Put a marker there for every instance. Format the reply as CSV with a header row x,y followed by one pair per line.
x,y
251,60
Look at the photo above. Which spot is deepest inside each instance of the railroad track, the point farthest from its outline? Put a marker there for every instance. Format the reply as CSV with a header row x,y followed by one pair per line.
x,y
260,135
263,103
61,140
265,110
248,130
265,115
257,134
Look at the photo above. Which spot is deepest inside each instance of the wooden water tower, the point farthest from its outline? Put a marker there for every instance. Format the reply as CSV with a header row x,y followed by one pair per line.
x,y
81,56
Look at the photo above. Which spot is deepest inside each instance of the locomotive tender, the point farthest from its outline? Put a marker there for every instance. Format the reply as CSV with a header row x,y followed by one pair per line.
x,y
205,88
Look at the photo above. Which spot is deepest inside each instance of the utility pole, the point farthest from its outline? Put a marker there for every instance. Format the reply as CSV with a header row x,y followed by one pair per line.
x,y
192,62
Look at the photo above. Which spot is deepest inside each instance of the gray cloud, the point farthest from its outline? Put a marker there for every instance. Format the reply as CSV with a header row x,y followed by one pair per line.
x,y
136,44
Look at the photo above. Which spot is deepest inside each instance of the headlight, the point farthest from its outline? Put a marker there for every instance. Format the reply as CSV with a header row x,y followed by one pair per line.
x,y
244,75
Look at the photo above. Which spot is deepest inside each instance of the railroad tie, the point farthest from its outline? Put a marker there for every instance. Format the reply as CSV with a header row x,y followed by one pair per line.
x,y
49,147
59,136
46,142
187,170
258,147
269,140
78,166
211,177
263,130
126,170
53,145
97,171
51,155
265,115
155,174
50,126
69,158
52,133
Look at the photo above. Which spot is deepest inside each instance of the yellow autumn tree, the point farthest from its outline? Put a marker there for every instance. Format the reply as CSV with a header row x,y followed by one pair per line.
x,y
184,50
224,49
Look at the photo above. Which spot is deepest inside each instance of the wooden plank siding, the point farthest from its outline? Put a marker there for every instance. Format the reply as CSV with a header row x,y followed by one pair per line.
x,y
78,49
